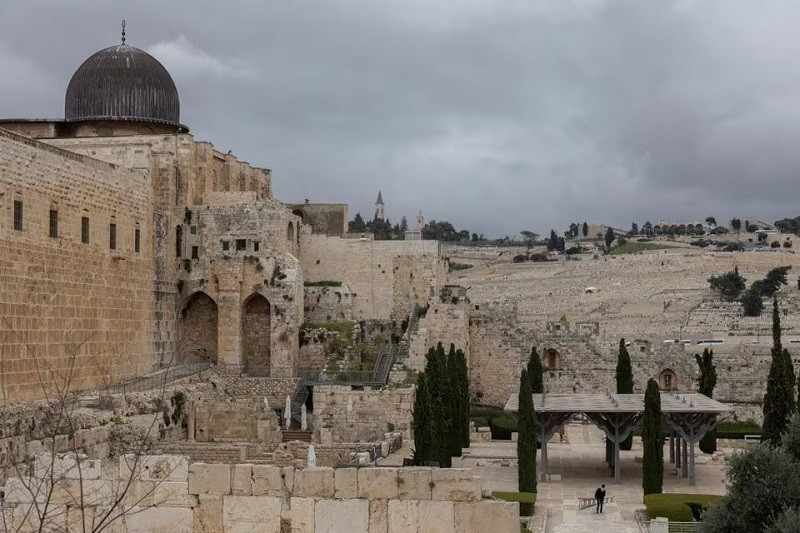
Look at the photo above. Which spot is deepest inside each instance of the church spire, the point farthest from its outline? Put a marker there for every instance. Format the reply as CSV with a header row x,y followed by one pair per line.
x,y
380,213
379,201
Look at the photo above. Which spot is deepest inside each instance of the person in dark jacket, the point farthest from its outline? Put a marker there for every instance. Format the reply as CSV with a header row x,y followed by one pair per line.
x,y
600,495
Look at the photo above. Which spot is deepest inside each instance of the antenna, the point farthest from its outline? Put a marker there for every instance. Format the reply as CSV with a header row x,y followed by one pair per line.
x,y
123,31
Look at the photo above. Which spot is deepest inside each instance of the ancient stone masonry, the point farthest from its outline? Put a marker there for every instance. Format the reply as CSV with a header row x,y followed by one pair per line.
x,y
347,415
65,302
386,278
166,494
328,304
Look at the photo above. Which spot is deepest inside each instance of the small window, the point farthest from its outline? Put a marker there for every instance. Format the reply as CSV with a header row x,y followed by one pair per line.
x,y
18,215
137,240
178,241
85,230
193,230
53,223
241,244
255,246
225,246
195,252
112,236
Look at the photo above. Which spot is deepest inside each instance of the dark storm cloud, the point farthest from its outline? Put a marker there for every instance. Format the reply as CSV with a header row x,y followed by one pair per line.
x,y
498,116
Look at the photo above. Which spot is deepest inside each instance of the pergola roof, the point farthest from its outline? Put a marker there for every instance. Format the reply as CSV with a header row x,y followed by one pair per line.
x,y
688,403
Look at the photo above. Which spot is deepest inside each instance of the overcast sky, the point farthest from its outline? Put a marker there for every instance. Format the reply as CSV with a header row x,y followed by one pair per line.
x,y
498,115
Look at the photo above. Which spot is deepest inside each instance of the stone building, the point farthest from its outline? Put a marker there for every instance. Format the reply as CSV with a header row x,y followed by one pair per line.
x,y
131,245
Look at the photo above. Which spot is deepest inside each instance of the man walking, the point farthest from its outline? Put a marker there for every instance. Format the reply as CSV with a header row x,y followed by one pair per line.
x,y
600,495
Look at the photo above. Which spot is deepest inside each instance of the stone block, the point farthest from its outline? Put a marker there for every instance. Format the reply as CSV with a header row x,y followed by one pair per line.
x,y
414,483
314,482
377,483
345,483
65,466
486,515
173,494
659,525
157,520
378,516
139,493
301,515
154,467
427,516
267,479
341,516
209,479
384,448
455,484
242,514
242,480
207,515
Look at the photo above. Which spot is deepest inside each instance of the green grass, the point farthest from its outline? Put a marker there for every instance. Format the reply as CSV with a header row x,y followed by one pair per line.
x,y
636,247
737,430
673,506
526,500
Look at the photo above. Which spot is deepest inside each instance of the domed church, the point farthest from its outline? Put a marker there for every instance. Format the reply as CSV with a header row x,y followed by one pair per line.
x,y
127,246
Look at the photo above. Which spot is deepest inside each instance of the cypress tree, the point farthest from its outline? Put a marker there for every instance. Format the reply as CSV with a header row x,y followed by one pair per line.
x,y
463,372
652,441
707,382
526,436
422,417
779,398
438,386
535,372
454,397
624,376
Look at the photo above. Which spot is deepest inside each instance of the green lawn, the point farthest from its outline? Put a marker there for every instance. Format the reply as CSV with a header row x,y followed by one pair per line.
x,y
631,247
673,506
526,500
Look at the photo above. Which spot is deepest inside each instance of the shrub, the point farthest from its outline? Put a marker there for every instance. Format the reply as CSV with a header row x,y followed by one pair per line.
x,y
676,507
323,283
775,244
502,427
527,500
737,430
787,244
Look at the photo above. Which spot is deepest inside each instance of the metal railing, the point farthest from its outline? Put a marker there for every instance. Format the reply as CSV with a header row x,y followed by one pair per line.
x,y
155,380
684,527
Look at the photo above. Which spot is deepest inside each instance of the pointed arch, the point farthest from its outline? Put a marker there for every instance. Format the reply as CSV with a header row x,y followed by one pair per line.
x,y
198,329
551,359
667,380
256,337
290,233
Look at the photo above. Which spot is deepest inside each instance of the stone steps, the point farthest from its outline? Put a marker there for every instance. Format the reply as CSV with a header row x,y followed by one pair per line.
x,y
296,434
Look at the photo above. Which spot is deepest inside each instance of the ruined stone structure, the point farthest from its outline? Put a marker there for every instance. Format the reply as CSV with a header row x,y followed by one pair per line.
x,y
132,244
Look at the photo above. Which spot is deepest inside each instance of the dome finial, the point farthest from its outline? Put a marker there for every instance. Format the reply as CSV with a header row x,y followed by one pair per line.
x,y
123,31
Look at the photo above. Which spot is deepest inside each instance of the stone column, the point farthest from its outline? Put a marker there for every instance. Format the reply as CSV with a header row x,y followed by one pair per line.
x,y
229,338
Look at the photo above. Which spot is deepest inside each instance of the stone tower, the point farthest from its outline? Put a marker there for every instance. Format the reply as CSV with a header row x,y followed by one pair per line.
x,y
420,220
379,208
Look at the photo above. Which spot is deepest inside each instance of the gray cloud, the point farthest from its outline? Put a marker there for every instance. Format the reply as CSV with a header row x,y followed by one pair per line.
x,y
498,116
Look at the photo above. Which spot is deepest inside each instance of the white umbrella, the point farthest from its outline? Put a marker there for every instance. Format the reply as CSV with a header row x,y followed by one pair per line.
x,y
303,418
287,412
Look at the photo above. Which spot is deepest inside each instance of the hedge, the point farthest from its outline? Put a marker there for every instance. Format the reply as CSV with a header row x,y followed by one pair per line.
x,y
737,430
526,500
502,427
673,506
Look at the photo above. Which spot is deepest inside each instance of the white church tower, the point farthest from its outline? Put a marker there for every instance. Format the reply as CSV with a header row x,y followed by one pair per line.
x,y
380,213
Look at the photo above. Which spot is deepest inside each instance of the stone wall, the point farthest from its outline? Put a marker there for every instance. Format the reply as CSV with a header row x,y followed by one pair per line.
x,y
243,420
68,307
164,493
385,277
347,415
328,304
323,219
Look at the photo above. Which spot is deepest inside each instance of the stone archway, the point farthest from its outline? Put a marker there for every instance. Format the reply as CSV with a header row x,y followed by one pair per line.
x,y
256,322
290,233
667,380
198,330
551,359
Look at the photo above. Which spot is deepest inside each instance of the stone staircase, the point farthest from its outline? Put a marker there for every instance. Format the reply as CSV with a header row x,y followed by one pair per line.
x,y
296,434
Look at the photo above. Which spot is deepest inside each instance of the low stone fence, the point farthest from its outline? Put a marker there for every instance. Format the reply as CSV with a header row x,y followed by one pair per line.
x,y
167,494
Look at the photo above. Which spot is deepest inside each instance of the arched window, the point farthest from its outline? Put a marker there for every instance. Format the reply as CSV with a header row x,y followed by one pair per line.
x,y
551,359
256,334
178,241
667,380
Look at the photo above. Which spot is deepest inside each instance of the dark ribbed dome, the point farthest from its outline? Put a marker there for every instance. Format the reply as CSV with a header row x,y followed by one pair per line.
x,y
122,83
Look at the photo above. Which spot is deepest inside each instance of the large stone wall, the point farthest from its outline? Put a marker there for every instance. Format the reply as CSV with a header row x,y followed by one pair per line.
x,y
385,277
346,415
66,305
244,420
164,493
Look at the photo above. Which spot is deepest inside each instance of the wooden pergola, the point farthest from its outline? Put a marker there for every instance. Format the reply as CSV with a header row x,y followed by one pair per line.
x,y
689,416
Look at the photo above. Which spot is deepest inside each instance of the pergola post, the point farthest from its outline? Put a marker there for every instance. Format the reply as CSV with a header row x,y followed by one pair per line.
x,y
692,476
671,445
617,466
677,451
543,466
684,462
